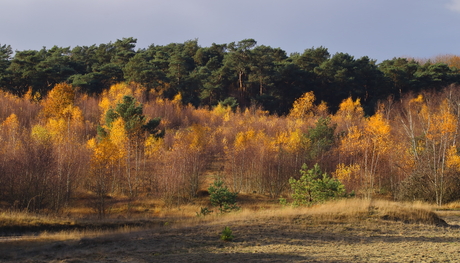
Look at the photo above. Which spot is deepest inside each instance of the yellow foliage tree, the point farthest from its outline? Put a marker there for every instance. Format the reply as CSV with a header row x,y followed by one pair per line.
x,y
441,131
346,172
153,146
59,101
104,160
11,130
322,110
364,148
11,123
222,111
350,114
118,135
431,126
63,123
303,107
190,151
378,130
60,113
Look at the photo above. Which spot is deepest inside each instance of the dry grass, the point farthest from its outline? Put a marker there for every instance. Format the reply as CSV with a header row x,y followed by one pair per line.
x,y
343,211
343,231
356,209
22,219
149,213
453,205
68,235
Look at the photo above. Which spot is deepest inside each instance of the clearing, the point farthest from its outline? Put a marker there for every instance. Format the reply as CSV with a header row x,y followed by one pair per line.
x,y
344,231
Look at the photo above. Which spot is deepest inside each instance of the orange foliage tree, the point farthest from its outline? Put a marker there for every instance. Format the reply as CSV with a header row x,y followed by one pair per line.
x,y
62,127
105,159
362,148
431,126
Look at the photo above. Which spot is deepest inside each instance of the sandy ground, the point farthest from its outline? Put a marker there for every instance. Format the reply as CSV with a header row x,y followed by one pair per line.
x,y
269,239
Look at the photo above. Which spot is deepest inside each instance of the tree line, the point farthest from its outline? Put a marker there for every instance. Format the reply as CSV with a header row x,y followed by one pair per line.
x,y
234,74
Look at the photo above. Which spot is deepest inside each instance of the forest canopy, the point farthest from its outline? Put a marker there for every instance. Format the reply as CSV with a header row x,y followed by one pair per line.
x,y
238,73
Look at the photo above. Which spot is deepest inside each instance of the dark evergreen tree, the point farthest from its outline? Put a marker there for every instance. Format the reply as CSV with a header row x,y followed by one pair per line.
x,y
5,60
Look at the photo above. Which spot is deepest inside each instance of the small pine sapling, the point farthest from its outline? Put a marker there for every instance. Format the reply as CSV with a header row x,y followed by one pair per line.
x,y
227,234
222,197
314,186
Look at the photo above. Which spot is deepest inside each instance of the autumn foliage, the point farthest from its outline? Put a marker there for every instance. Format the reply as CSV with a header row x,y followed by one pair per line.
x,y
133,143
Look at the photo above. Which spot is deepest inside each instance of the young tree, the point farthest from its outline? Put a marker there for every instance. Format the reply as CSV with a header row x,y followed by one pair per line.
x,y
104,159
222,197
314,186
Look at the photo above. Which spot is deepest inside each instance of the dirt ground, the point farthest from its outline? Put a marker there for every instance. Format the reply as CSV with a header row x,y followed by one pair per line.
x,y
265,239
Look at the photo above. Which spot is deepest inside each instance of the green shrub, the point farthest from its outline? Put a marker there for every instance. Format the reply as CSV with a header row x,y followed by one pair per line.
x,y
314,186
222,197
227,234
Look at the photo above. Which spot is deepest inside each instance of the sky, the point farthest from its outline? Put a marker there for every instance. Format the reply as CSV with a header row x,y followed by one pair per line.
x,y
379,29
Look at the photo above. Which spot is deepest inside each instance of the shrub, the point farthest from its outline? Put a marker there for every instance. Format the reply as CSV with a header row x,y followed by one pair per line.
x,y
222,197
227,234
315,186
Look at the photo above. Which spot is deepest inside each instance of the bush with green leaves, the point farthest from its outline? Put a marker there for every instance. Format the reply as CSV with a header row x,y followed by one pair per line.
x,y
227,234
222,197
314,186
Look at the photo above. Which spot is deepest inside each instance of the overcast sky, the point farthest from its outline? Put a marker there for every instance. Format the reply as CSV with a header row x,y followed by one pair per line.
x,y
379,29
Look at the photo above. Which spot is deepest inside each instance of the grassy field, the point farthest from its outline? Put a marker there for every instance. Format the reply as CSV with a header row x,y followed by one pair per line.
x,y
343,231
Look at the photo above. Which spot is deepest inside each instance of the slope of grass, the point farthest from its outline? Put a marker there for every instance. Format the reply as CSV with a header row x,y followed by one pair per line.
x,y
347,210
337,212
350,230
